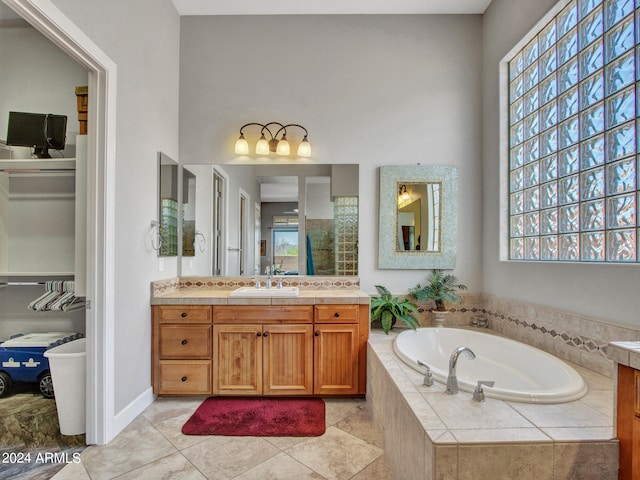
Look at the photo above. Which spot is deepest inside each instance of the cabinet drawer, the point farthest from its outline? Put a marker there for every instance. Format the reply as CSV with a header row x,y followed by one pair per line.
x,y
185,341
263,314
180,377
336,313
184,313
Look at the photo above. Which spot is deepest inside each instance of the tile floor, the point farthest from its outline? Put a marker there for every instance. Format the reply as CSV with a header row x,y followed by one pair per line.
x,y
152,446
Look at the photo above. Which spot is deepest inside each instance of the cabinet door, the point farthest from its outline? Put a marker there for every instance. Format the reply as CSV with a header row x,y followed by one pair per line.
x,y
287,359
335,359
237,359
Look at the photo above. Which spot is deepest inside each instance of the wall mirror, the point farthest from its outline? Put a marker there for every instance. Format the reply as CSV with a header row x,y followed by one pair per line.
x,y
418,217
286,217
188,213
167,205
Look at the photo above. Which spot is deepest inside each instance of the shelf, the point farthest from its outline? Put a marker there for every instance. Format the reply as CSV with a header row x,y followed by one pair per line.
x,y
38,164
47,275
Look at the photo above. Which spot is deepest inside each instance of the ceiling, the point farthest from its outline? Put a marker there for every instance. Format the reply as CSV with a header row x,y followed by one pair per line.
x,y
306,7
328,7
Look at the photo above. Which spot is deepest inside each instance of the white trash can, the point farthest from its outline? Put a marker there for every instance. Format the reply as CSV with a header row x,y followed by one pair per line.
x,y
68,373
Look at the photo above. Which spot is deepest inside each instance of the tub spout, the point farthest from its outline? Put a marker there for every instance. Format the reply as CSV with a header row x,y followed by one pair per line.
x,y
452,380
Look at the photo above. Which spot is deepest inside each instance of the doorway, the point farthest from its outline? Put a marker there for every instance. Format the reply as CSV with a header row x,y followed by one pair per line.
x,y
53,24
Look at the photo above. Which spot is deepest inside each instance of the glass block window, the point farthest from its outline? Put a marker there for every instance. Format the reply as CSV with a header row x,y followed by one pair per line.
x,y
574,160
345,242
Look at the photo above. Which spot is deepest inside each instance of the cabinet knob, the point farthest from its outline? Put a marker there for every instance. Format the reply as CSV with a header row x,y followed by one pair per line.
x,y
316,334
265,334
184,342
258,334
184,379
336,314
183,314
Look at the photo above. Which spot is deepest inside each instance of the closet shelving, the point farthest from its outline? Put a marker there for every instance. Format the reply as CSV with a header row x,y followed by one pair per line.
x,y
42,220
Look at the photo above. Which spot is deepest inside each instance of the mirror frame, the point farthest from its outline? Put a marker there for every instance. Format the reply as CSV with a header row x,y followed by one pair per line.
x,y
388,255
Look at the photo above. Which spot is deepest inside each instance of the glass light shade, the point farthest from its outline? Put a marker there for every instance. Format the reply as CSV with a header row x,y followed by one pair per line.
x,y
283,146
242,146
304,149
262,147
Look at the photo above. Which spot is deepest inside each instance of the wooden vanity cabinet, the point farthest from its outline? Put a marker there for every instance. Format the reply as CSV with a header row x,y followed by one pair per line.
x,y
336,350
628,422
263,351
259,350
181,349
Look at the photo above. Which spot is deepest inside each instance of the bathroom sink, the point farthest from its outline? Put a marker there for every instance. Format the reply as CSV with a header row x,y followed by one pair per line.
x,y
265,292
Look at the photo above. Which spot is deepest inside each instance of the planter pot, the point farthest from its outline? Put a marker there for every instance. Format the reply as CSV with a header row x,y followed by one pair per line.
x,y
439,317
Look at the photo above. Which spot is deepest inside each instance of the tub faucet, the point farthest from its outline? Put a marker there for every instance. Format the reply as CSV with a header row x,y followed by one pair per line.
x,y
478,393
428,377
452,380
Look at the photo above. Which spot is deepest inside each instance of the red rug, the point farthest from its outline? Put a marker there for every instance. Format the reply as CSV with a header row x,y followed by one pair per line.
x,y
258,417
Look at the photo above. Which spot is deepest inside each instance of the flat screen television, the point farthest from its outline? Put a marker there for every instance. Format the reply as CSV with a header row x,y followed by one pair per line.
x,y
40,131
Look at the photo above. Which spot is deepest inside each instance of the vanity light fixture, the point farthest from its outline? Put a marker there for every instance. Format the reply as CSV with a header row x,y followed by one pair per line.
x,y
403,195
279,146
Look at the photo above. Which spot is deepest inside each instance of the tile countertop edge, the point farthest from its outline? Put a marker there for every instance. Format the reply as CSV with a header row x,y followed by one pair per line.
x,y
221,297
625,353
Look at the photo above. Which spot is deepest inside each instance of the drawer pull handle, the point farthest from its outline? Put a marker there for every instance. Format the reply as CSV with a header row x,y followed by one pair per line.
x,y
258,334
265,334
184,379
184,342
183,314
336,314
316,334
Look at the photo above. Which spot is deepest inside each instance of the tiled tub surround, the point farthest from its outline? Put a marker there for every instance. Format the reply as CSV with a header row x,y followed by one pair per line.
x,y
429,435
576,338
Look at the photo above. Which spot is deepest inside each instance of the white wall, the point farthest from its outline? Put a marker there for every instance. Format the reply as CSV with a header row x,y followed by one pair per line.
x,y
318,203
142,38
373,90
609,292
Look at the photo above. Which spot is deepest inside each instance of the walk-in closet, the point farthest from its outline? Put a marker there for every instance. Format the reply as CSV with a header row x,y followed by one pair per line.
x,y
42,299
42,245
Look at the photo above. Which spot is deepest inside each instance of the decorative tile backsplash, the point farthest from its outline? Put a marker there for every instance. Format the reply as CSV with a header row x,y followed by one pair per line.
x,y
231,283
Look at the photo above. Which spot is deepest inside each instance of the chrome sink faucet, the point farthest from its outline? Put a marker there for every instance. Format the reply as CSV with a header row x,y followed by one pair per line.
x,y
267,271
452,380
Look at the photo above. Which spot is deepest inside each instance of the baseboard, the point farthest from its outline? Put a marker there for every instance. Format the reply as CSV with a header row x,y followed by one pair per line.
x,y
125,416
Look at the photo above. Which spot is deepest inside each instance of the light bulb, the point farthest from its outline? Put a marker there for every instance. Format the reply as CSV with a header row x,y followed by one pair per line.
x,y
304,149
262,147
283,146
242,146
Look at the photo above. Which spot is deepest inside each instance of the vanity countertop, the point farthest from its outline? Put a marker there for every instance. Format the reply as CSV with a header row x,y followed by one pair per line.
x,y
216,290
625,353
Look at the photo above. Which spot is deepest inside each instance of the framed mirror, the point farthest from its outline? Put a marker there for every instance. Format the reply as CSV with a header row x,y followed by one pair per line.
x,y
418,217
167,205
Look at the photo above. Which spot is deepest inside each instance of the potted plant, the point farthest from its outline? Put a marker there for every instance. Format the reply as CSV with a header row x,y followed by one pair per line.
x,y
386,309
440,287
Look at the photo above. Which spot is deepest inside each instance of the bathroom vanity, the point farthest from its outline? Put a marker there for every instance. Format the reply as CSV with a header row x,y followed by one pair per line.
x,y
205,340
627,358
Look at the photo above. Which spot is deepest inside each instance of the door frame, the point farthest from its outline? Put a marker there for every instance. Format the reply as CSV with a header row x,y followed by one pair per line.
x,y
45,17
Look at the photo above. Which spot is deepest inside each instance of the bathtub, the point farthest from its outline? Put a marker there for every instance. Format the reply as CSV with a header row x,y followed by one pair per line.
x,y
521,373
